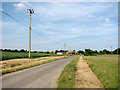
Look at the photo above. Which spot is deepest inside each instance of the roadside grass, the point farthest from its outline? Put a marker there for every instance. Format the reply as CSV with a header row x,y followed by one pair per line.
x,y
16,64
21,67
106,69
67,77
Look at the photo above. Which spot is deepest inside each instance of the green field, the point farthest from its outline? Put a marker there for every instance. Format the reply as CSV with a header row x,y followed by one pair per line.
x,y
67,78
106,69
14,55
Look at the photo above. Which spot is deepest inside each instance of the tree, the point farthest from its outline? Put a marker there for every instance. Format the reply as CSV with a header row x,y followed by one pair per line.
x,y
106,51
61,50
87,52
22,50
80,52
34,51
48,52
116,51
16,50
100,52
56,51
51,52
90,52
40,52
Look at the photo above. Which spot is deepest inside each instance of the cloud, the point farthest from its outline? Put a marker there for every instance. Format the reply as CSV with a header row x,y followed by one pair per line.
x,y
54,11
107,20
67,31
22,5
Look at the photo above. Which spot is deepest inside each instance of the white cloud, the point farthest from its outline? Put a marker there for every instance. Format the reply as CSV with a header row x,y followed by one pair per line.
x,y
107,20
25,2
22,5
54,11
64,31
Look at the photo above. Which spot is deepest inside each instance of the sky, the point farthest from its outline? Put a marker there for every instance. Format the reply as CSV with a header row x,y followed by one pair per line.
x,y
80,25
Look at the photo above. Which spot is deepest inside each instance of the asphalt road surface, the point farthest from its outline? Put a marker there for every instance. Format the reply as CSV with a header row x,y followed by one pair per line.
x,y
43,76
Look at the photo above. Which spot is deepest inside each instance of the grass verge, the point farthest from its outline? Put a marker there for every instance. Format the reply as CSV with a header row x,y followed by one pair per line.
x,y
67,78
106,69
14,69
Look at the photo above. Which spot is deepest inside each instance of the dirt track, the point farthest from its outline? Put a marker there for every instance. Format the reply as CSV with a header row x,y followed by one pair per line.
x,y
85,78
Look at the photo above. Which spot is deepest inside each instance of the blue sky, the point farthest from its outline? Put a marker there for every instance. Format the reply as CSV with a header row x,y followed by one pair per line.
x,y
80,25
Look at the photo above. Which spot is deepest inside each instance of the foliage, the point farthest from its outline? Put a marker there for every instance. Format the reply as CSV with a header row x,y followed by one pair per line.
x,y
51,52
80,52
89,52
14,55
106,69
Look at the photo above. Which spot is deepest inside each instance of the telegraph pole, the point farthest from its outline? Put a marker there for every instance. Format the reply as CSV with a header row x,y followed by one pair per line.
x,y
64,49
111,49
31,12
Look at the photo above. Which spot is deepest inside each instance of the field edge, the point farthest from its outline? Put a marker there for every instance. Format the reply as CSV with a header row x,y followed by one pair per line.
x,y
68,75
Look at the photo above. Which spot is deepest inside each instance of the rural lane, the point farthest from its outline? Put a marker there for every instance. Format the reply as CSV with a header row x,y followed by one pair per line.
x,y
43,76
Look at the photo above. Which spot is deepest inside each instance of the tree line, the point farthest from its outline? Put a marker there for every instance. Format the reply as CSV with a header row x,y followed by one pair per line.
x,y
23,50
87,52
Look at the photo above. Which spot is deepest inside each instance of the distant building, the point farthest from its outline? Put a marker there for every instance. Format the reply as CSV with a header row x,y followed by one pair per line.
x,y
66,52
69,52
60,53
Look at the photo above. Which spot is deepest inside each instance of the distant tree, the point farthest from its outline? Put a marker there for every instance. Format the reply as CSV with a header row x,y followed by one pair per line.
x,y
34,51
80,52
7,50
22,50
116,51
40,52
16,50
90,52
61,50
51,52
106,51
74,52
56,51
48,52
100,52
96,51
87,52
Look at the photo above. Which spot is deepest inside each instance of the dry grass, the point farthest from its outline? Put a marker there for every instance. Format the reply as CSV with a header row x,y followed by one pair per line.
x,y
18,64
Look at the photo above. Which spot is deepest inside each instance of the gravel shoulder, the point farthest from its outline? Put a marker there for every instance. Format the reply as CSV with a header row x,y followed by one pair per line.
x,y
85,78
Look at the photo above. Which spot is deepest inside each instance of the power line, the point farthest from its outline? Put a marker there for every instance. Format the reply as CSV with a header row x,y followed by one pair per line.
x,y
23,24
19,22
15,19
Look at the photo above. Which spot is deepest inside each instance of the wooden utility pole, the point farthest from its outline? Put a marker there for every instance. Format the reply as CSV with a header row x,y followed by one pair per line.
x,y
31,12
64,49
111,49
